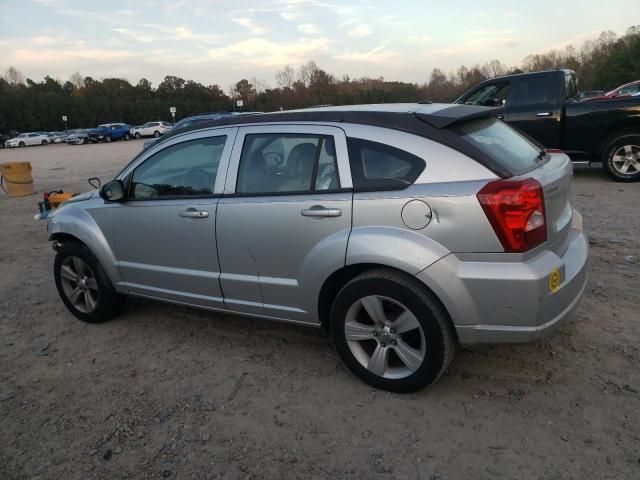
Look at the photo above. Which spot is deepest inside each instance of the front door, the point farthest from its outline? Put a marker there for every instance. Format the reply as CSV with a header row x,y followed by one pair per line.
x,y
285,219
164,232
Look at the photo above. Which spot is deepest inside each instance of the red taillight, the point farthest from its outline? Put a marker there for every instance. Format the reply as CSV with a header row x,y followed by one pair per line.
x,y
515,209
553,150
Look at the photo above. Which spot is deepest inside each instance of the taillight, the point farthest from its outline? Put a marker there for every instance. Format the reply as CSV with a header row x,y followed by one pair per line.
x,y
515,209
553,150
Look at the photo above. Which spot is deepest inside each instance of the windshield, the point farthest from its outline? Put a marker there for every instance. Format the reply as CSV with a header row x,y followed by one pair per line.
x,y
502,143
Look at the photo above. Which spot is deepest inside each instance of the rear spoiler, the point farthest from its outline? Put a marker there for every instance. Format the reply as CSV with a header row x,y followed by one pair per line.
x,y
456,114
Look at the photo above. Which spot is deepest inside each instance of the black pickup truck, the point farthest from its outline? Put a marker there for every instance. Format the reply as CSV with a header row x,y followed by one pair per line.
x,y
543,105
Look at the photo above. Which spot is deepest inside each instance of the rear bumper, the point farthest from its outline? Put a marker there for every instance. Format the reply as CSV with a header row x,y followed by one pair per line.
x,y
506,302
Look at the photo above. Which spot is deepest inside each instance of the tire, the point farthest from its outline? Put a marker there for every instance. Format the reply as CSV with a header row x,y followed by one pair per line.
x,y
621,158
138,135
104,303
426,329
85,141
156,134
44,142
126,137
21,144
107,139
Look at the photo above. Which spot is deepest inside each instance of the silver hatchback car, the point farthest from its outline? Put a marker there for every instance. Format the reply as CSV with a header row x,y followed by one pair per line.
x,y
403,229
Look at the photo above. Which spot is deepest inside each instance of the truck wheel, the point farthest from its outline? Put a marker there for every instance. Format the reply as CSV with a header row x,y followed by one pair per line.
x,y
107,139
621,158
391,332
83,285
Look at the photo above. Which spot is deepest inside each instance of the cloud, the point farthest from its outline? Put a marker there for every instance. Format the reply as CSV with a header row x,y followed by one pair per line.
x,y
492,32
510,15
248,23
419,39
43,40
349,21
378,55
360,31
139,37
261,52
308,28
289,16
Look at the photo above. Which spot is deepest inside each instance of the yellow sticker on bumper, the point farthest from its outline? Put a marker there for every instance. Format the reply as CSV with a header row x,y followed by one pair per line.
x,y
554,281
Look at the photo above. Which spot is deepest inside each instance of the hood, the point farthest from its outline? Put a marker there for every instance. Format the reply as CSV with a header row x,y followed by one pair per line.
x,y
82,197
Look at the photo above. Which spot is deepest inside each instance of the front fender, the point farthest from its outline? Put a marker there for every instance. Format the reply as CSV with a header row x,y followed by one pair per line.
x,y
89,226
399,248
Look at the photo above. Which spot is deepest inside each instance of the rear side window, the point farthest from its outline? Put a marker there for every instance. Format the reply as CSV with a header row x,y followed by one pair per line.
x,y
376,166
534,90
502,143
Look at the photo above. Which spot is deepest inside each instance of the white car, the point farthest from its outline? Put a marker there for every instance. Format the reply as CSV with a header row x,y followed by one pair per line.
x,y
25,139
151,129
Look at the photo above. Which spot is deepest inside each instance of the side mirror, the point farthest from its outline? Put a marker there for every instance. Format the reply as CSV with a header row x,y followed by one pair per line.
x,y
113,191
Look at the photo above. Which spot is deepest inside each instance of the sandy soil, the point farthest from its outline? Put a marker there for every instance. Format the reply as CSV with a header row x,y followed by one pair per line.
x,y
171,392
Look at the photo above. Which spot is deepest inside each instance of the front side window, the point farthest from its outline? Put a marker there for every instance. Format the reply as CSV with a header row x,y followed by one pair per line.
x,y
376,166
494,95
285,163
183,170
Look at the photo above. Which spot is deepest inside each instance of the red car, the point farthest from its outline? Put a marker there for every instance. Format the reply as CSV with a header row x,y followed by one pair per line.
x,y
626,90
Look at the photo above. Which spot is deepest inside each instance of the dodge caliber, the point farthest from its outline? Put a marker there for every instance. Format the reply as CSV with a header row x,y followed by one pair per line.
x,y
404,230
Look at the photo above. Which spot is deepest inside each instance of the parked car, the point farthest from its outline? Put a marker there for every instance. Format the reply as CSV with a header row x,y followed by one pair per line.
x,y
57,137
589,94
3,139
77,137
109,131
539,104
150,129
403,229
626,90
26,139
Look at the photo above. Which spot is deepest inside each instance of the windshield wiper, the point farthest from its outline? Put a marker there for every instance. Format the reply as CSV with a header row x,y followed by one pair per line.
x,y
541,155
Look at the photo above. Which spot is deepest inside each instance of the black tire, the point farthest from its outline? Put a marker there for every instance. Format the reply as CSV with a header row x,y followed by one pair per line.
x,y
156,134
109,303
44,142
126,137
433,319
629,140
138,135
85,141
107,139
21,144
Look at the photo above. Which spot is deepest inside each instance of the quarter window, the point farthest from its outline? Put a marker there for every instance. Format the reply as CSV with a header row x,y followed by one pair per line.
x,y
375,166
287,163
183,170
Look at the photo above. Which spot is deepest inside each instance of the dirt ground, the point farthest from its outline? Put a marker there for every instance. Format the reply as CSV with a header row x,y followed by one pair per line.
x,y
171,392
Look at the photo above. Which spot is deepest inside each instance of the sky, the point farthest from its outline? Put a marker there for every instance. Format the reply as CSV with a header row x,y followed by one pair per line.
x,y
221,41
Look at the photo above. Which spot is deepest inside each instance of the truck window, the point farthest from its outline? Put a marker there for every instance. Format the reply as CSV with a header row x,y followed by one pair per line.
x,y
534,90
570,87
493,95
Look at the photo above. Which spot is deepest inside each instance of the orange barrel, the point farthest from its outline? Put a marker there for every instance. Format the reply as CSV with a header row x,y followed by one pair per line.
x,y
16,179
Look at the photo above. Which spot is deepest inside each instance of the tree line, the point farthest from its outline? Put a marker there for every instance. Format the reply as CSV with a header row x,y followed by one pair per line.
x,y
25,104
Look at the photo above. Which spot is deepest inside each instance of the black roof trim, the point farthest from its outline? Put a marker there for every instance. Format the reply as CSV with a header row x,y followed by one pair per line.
x,y
456,114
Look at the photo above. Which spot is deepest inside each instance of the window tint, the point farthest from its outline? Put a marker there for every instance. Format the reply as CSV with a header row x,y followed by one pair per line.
x,y
280,163
378,166
535,90
185,169
571,89
501,142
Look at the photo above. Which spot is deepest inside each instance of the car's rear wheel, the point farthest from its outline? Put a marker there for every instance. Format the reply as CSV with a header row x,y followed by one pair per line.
x,y
107,139
138,135
83,285
126,136
156,134
44,142
85,141
391,331
621,158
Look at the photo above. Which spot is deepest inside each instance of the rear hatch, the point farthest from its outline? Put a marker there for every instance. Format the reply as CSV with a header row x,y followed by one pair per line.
x,y
523,159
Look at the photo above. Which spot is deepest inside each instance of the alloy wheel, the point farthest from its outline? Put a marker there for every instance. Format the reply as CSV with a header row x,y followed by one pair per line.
x,y
385,337
79,284
626,160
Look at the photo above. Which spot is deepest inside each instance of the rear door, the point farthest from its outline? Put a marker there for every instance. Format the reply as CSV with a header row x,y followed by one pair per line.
x,y
535,107
284,222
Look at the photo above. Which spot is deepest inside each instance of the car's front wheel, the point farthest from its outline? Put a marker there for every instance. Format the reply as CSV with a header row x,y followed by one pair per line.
x,y
156,134
138,135
126,137
21,144
107,139
83,285
391,332
621,158
44,142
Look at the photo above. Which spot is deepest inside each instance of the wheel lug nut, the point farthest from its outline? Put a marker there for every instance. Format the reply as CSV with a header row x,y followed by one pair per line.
x,y
392,330
375,334
383,344
393,342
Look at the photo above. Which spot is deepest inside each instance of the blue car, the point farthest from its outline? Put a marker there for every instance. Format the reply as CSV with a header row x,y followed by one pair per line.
x,y
109,131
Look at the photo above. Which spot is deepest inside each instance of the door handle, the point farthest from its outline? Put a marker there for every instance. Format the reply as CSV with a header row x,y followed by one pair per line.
x,y
193,213
320,211
543,114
